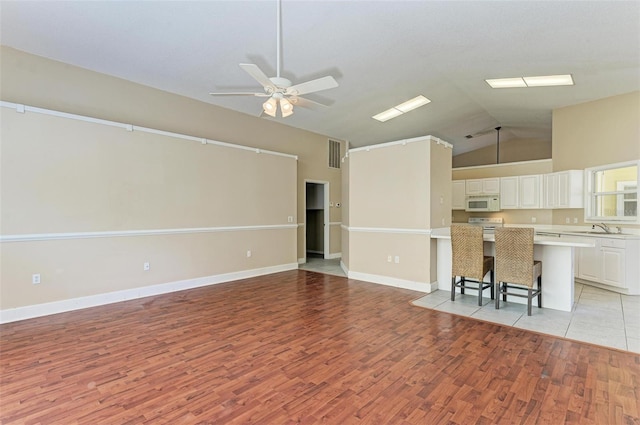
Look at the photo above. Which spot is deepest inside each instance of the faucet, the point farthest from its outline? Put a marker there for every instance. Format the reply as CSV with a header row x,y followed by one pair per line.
x,y
602,226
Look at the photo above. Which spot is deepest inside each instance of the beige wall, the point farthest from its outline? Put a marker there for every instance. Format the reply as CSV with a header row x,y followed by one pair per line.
x,y
395,194
605,131
61,176
510,151
40,82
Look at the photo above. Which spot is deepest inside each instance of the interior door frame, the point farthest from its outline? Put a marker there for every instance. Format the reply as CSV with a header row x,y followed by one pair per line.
x,y
326,216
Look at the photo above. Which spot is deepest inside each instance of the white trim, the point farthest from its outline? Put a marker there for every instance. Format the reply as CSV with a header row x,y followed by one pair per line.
x,y
392,281
129,127
502,164
334,256
122,233
335,223
402,142
39,310
387,230
344,268
302,260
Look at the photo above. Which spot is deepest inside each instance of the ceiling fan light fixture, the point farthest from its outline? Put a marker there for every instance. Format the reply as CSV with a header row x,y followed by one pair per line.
x,y
270,107
286,107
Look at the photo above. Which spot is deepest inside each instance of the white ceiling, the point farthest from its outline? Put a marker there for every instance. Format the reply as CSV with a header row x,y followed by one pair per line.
x,y
380,52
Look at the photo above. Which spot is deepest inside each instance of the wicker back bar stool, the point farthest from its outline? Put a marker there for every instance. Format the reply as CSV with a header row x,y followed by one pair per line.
x,y
515,266
469,262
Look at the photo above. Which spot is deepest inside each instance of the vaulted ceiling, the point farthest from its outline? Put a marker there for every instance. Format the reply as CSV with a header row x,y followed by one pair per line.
x,y
381,53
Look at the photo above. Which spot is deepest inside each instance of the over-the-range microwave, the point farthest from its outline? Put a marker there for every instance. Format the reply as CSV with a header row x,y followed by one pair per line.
x,y
482,203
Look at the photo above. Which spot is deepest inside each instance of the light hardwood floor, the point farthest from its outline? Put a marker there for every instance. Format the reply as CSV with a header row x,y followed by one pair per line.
x,y
302,347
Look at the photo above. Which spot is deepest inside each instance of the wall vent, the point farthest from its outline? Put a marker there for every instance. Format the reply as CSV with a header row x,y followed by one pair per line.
x,y
334,154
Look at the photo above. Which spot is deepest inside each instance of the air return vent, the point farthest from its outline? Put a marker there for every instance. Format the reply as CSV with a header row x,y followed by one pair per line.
x,y
334,154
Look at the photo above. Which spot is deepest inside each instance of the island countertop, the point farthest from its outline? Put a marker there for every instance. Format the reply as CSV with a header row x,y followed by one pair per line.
x,y
555,238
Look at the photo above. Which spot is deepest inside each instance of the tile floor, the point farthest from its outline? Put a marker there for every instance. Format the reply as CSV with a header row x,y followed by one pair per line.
x,y
318,264
598,317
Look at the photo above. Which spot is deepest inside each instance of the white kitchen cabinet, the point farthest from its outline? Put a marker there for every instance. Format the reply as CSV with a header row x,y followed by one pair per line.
x,y
509,193
564,189
489,186
458,194
524,192
611,263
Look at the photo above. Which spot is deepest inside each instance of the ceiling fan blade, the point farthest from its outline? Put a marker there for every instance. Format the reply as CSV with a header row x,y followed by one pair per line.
x,y
306,103
240,94
257,74
319,84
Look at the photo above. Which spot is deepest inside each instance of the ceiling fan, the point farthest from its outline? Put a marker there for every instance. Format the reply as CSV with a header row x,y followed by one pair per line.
x,y
279,90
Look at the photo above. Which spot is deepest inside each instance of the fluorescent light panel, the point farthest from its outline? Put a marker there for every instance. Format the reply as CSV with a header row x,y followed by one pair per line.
x,y
538,81
402,108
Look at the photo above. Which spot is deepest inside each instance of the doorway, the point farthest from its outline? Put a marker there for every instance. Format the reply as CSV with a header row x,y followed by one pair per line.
x,y
316,219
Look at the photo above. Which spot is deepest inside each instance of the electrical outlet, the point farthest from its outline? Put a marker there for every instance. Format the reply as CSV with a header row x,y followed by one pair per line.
x,y
575,220
388,259
248,254
146,267
567,220
397,259
533,219
35,278
290,219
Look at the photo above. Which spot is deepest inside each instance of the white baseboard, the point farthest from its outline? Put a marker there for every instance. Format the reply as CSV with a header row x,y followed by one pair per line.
x,y
302,260
334,256
392,281
38,310
344,268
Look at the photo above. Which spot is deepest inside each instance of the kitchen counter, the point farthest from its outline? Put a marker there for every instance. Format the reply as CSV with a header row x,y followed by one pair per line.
x,y
556,251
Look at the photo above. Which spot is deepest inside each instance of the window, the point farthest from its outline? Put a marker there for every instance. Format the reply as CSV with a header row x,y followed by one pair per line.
x,y
612,192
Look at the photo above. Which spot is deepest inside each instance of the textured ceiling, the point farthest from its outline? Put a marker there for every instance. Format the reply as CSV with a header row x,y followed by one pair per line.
x,y
380,52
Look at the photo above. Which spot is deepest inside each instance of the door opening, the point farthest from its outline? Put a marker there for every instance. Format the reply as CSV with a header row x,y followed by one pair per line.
x,y
316,219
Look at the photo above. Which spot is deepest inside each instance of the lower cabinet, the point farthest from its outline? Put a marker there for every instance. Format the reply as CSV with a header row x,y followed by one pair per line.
x,y
612,262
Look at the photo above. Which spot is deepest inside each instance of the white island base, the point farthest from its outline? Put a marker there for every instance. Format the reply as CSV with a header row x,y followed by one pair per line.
x,y
557,258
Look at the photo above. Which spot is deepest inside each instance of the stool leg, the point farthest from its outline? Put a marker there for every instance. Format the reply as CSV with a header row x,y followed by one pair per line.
x,y
462,283
453,288
529,296
491,275
540,293
497,284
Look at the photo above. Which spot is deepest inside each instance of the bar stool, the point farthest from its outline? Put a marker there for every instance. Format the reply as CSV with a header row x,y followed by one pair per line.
x,y
469,262
515,266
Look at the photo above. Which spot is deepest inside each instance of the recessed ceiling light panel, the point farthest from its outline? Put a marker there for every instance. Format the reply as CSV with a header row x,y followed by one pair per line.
x,y
400,109
538,81
549,80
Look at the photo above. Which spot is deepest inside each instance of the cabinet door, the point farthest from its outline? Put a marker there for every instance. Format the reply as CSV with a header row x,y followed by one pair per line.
x,y
509,193
589,263
529,191
550,191
458,196
474,187
491,186
613,266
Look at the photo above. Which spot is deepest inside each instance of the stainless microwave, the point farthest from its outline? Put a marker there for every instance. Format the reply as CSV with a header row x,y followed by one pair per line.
x,y
482,203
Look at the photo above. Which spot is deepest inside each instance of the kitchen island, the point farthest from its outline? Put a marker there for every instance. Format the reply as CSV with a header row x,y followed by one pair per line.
x,y
556,253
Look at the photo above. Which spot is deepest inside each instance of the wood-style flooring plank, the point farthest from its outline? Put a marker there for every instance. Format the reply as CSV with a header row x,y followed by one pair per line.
x,y
302,348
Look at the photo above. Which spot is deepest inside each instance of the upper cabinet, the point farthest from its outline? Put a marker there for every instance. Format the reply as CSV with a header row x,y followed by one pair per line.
x,y
459,194
483,186
564,189
612,192
521,192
